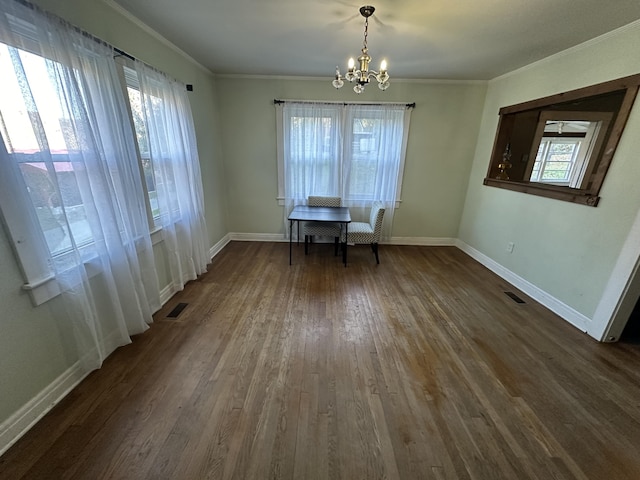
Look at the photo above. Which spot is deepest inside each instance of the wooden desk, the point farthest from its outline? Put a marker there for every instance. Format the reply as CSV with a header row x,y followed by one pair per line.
x,y
306,213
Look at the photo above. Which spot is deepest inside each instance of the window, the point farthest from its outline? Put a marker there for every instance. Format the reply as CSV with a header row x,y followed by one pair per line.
x,y
561,146
555,161
70,189
72,186
169,168
352,151
38,135
142,137
47,170
373,154
313,149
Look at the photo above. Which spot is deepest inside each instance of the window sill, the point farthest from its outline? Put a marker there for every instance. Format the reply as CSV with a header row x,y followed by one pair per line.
x,y
281,202
557,192
44,289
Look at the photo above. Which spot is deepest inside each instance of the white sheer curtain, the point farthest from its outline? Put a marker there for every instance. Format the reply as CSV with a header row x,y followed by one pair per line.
x,y
174,156
374,159
72,149
312,152
355,151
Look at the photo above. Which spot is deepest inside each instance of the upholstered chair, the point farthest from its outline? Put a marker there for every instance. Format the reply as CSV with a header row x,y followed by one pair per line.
x,y
362,232
321,229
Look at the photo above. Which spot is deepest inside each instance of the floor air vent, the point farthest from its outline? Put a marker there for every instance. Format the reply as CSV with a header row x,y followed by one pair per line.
x,y
514,297
177,310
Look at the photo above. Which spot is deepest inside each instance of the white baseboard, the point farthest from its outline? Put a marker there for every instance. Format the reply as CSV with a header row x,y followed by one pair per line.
x,y
166,293
422,241
213,251
26,417
561,309
279,237
258,237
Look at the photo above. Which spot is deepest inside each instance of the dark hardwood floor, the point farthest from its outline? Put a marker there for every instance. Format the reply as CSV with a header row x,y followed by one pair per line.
x,y
418,368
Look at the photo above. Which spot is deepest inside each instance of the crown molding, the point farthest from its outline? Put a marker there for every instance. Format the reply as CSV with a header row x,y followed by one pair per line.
x,y
576,48
147,29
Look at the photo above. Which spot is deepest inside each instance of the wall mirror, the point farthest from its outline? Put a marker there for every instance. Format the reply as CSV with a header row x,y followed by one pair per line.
x,y
561,146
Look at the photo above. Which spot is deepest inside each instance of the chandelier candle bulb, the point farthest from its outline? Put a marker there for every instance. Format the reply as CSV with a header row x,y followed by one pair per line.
x,y
338,82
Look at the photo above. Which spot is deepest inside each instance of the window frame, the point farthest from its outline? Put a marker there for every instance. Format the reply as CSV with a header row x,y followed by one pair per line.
x,y
27,236
28,242
517,124
21,222
343,163
129,79
547,153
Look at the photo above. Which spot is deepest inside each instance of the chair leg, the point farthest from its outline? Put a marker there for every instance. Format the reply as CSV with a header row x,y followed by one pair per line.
x,y
306,244
374,247
335,253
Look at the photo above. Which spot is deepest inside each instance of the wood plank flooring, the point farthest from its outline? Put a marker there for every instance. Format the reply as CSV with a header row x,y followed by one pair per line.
x,y
418,368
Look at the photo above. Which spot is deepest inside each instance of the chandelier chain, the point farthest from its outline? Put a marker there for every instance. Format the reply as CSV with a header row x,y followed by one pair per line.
x,y
366,32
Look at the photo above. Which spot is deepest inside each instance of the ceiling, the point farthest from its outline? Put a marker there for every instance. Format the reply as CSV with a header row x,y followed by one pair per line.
x,y
421,39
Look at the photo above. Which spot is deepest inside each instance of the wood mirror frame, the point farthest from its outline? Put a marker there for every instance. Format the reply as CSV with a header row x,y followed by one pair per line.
x,y
520,126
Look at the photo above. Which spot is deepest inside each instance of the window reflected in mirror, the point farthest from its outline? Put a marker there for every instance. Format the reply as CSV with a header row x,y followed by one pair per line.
x,y
561,146
566,146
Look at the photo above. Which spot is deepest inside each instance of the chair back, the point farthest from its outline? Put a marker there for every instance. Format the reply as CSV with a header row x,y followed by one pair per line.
x,y
375,220
316,201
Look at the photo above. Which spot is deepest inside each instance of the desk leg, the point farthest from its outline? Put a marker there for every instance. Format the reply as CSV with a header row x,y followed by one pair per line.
x,y
346,242
290,238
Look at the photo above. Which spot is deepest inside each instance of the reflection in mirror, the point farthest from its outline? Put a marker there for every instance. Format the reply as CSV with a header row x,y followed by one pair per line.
x,y
561,146
565,147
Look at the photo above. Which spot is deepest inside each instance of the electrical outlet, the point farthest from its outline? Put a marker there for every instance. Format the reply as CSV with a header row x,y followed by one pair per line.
x,y
510,246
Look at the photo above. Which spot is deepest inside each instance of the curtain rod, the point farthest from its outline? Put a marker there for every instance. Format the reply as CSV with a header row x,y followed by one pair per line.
x,y
124,54
90,36
277,101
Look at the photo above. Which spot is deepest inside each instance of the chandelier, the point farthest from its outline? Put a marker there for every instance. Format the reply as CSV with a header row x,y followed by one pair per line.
x,y
362,76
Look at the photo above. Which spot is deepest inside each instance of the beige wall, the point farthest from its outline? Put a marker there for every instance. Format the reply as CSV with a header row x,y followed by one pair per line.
x,y
442,138
566,250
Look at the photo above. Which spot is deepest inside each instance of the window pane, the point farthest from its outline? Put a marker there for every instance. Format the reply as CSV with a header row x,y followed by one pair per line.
x,y
135,100
55,195
555,160
30,104
16,115
138,121
363,153
312,151
556,171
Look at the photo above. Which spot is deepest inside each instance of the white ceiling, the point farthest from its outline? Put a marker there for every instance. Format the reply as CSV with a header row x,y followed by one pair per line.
x,y
426,39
